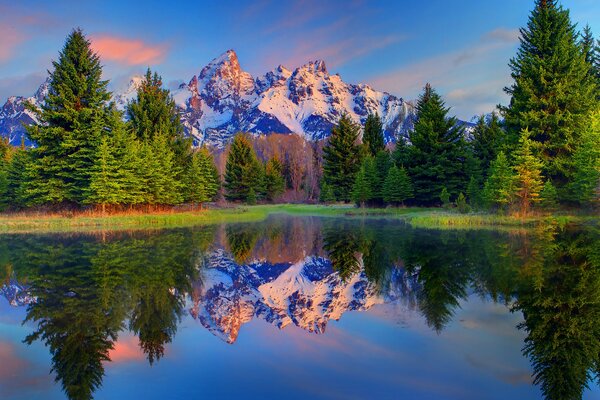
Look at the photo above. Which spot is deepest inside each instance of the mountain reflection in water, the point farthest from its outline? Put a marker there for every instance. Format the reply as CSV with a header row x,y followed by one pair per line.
x,y
83,290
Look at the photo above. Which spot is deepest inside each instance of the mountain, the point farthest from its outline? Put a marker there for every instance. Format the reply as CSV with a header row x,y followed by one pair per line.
x,y
223,99
14,115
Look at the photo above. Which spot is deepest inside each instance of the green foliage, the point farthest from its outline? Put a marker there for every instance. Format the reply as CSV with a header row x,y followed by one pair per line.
x,y
528,174
397,186
373,135
553,92
274,180
499,188
326,195
251,199
438,151
383,163
243,171
200,178
342,158
488,139
461,204
361,191
549,196
474,194
73,120
445,197
585,184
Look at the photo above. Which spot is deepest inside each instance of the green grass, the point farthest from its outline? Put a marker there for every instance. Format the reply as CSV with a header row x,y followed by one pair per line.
x,y
417,217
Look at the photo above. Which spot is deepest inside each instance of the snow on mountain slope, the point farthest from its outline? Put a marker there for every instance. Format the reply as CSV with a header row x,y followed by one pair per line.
x,y
223,99
14,115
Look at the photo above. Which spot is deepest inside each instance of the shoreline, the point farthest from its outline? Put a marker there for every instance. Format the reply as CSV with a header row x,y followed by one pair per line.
x,y
433,218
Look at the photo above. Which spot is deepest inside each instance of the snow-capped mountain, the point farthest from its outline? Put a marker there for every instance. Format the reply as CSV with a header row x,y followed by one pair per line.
x,y
14,114
307,294
223,99
16,294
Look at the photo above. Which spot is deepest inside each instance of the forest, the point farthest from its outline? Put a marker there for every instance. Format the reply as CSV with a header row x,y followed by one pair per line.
x,y
538,154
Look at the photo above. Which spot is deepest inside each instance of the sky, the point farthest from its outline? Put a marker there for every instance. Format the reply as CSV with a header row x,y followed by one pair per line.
x,y
462,47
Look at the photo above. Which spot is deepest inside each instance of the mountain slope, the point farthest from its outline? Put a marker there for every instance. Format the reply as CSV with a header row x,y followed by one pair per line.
x,y
223,99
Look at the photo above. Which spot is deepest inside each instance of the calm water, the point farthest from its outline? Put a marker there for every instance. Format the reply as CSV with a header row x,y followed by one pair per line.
x,y
301,307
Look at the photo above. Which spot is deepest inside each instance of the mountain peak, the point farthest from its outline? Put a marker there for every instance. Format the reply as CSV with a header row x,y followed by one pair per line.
x,y
227,62
315,66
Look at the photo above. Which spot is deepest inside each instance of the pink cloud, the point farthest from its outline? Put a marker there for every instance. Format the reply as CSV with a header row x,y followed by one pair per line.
x,y
128,51
126,349
11,38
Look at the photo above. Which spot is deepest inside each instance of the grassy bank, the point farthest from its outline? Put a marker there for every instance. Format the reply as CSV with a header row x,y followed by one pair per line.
x,y
418,217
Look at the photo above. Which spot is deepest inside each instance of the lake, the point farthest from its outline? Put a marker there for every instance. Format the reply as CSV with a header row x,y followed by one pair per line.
x,y
301,307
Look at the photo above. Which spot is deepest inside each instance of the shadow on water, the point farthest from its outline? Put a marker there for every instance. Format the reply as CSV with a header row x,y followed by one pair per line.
x,y
82,291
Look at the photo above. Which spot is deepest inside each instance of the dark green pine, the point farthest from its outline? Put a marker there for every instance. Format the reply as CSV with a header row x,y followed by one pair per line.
x,y
373,134
553,92
342,158
73,121
243,171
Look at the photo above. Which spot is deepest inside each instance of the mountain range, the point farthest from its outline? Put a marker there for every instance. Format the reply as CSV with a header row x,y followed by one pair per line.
x,y
224,99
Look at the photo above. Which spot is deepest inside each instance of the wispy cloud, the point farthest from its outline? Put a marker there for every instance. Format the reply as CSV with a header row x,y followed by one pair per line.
x,y
128,51
11,38
468,76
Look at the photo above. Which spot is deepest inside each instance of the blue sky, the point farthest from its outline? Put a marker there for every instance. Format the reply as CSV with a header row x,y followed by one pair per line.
x,y
462,47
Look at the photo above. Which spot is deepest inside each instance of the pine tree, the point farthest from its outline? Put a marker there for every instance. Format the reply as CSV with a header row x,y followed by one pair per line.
x,y
474,192
372,176
373,135
445,197
383,163
17,178
169,172
461,204
438,151
397,186
274,181
361,191
499,188
326,195
553,92
342,158
200,178
104,186
153,113
528,174
243,171
549,196
73,120
589,47
488,140
585,185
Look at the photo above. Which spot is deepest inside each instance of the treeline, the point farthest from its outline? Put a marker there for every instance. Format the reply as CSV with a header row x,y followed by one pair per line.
x,y
87,153
544,152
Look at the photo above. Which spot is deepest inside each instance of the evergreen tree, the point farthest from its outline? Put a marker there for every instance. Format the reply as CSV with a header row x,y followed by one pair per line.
x,y
585,185
373,136
195,182
326,195
474,192
438,152
401,154
274,180
549,196
445,197
17,178
499,188
361,191
552,93
383,163
243,171
589,47
73,120
397,186
153,113
342,158
487,141
461,204
104,186
251,199
528,174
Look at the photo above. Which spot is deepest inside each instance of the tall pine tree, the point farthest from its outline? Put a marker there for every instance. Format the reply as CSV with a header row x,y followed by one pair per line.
x,y
243,171
373,134
73,120
438,152
342,158
528,174
553,92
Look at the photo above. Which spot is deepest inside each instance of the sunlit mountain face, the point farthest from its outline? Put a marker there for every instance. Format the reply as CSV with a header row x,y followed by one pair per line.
x,y
92,300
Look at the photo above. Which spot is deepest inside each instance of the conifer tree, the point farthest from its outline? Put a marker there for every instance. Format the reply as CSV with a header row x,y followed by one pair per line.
x,y
373,135
487,141
438,152
274,180
549,196
342,158
72,119
474,192
168,173
528,174
17,178
499,188
383,163
361,191
445,197
195,184
553,92
243,171
589,47
372,177
397,186
585,185
326,195
104,187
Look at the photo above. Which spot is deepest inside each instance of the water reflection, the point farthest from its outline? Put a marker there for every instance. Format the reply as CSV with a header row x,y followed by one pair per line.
x,y
82,291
